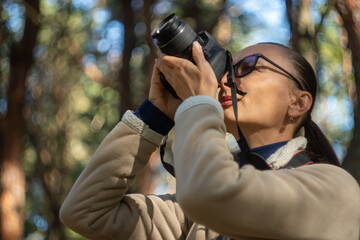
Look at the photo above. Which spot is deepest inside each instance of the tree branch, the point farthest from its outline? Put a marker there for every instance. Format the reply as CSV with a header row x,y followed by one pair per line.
x,y
330,4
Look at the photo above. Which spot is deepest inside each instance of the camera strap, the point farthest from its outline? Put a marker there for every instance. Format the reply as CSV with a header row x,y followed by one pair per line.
x,y
253,158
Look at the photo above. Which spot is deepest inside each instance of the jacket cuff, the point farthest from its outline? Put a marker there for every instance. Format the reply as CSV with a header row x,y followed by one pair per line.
x,y
154,118
199,100
130,119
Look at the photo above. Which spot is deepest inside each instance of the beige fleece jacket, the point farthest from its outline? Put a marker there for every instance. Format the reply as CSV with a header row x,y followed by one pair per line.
x,y
317,201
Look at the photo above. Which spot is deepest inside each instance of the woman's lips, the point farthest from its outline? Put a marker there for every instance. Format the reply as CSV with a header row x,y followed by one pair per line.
x,y
226,101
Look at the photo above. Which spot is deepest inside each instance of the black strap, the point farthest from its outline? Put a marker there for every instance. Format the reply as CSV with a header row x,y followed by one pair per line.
x,y
253,158
168,167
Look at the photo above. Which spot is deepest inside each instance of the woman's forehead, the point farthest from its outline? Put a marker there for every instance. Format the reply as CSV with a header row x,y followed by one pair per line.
x,y
270,50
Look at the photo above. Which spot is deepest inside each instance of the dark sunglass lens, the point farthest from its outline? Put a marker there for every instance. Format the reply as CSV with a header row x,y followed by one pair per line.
x,y
245,66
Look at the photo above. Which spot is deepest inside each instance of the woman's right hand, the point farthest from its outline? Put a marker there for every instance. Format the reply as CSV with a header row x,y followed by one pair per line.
x,y
161,97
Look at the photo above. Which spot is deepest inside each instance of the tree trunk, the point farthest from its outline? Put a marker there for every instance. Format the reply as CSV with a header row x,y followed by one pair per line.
x,y
302,29
348,10
150,59
291,17
12,130
129,45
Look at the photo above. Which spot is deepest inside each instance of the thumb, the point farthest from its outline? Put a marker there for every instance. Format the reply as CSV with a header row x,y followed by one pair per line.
x,y
155,74
198,54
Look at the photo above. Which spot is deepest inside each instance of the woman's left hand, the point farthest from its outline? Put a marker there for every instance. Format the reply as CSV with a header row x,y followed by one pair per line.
x,y
187,78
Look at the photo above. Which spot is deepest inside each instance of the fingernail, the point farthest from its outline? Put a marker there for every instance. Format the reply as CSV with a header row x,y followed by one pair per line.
x,y
157,61
197,45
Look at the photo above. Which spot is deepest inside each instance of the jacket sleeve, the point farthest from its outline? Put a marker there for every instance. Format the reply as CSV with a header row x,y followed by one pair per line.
x,y
97,206
318,201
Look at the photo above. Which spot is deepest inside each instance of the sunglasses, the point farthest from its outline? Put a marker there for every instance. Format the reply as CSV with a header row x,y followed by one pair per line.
x,y
246,65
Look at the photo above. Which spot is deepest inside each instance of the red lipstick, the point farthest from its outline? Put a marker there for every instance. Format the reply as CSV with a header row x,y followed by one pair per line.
x,y
226,101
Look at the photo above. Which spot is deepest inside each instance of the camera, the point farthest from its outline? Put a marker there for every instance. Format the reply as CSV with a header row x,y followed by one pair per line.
x,y
175,37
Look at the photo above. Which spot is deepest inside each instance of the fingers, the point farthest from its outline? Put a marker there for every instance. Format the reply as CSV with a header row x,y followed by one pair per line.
x,y
173,67
198,54
155,75
169,61
164,68
166,64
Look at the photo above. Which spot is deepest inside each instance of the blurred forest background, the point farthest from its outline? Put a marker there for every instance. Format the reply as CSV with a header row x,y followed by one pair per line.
x,y
70,68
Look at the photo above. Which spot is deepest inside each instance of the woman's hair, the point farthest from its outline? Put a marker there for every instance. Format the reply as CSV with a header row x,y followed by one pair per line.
x,y
319,147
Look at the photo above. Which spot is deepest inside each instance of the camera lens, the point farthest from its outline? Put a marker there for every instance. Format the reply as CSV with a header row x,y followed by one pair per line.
x,y
174,37
166,29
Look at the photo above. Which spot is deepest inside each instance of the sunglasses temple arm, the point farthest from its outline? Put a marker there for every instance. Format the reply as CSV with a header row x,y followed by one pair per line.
x,y
281,68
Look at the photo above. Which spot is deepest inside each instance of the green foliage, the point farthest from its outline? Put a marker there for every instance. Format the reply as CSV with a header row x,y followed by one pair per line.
x,y
70,107
335,110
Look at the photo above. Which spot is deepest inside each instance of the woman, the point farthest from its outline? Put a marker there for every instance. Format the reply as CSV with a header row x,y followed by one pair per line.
x,y
216,199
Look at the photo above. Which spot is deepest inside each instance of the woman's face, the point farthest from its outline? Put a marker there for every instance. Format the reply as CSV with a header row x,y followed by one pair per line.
x,y
268,89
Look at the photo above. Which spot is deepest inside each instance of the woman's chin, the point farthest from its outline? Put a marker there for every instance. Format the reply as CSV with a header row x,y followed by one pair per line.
x,y
230,122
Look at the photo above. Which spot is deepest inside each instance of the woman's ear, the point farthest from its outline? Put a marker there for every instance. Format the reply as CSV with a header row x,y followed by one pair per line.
x,y
300,104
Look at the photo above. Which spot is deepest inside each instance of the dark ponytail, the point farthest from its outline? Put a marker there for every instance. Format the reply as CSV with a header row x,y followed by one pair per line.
x,y
318,147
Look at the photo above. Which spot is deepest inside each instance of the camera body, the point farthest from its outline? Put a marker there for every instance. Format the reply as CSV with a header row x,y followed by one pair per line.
x,y
175,37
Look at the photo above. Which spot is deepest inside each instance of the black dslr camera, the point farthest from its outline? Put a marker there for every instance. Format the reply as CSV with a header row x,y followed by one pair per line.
x,y
174,37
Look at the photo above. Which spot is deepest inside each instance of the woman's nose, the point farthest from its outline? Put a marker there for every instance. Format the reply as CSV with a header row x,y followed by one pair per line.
x,y
223,82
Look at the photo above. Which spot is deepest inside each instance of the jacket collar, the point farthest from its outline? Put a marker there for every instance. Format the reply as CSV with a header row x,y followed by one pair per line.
x,y
284,154
280,157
